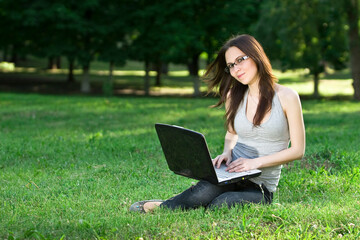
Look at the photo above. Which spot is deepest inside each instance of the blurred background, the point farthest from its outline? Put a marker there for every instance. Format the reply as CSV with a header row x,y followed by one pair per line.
x,y
151,47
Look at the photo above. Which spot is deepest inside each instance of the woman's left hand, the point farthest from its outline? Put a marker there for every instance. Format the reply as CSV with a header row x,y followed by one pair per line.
x,y
242,165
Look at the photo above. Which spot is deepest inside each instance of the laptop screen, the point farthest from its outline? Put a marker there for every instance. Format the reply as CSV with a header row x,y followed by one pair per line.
x,y
186,152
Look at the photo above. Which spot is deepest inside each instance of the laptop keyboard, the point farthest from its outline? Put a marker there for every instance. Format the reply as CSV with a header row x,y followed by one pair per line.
x,y
224,175
221,173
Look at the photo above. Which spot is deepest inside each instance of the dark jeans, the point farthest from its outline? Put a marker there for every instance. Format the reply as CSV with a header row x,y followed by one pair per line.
x,y
205,194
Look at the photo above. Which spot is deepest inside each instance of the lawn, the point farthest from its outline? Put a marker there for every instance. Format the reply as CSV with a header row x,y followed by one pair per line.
x,y
70,167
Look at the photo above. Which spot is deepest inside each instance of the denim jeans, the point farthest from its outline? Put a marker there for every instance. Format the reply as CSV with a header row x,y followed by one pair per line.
x,y
206,194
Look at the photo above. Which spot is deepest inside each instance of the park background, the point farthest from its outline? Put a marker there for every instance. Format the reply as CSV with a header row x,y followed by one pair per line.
x,y
82,84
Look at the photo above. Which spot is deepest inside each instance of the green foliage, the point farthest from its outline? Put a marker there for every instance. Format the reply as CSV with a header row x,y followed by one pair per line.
x,y
299,34
307,34
149,31
70,167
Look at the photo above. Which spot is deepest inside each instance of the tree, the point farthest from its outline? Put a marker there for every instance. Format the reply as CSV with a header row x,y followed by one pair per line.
x,y
307,35
154,32
113,44
52,29
351,8
50,35
78,31
203,25
16,27
178,32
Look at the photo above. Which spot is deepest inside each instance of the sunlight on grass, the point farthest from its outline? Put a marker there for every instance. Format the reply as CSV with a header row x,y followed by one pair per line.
x,y
326,87
179,73
25,70
182,73
332,84
291,73
335,87
126,73
299,80
178,81
7,66
175,90
303,88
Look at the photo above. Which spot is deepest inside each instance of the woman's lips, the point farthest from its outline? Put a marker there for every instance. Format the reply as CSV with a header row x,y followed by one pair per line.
x,y
240,75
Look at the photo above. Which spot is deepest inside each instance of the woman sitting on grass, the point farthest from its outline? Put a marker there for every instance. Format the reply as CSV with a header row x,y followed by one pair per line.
x,y
261,118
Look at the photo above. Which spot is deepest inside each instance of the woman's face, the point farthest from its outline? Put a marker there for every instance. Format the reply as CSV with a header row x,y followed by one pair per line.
x,y
245,71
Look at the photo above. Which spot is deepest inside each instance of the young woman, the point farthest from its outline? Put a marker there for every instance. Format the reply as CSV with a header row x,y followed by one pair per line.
x,y
262,118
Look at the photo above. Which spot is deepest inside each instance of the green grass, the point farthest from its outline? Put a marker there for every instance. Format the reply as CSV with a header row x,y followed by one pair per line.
x,y
70,167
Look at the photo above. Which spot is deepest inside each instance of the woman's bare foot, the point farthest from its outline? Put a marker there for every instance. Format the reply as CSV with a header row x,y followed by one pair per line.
x,y
150,206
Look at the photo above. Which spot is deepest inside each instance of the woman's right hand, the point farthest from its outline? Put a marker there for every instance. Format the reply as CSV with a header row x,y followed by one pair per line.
x,y
224,157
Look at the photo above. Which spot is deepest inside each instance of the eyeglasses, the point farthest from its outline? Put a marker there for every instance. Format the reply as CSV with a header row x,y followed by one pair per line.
x,y
231,66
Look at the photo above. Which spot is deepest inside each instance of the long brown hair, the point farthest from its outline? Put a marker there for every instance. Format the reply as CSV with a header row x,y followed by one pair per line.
x,y
226,86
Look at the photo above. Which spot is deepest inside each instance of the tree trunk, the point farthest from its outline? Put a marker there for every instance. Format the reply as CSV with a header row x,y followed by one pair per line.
x,y
193,67
108,83
165,68
5,53
14,57
316,85
196,82
71,78
85,83
52,63
58,62
147,78
158,74
352,11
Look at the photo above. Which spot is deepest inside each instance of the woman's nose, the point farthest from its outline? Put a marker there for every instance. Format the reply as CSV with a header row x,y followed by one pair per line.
x,y
237,67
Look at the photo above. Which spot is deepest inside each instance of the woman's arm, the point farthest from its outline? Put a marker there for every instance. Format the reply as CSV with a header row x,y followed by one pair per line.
x,y
291,104
229,143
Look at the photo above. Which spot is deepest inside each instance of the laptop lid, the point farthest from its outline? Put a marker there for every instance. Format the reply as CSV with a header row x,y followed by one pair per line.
x,y
187,154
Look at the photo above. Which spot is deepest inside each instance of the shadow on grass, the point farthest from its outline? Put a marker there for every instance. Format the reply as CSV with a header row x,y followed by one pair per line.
x,y
45,82
122,85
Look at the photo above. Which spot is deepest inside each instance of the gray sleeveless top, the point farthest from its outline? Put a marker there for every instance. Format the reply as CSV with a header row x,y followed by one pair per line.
x,y
270,137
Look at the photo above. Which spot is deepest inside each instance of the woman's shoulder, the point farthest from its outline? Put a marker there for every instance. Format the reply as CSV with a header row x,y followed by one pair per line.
x,y
286,93
288,97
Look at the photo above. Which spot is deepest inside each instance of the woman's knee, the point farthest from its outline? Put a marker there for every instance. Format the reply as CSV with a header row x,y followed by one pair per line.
x,y
227,199
198,195
205,191
231,199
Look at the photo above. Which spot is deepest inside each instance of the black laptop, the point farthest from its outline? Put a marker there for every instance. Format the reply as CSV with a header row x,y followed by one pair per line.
x,y
187,154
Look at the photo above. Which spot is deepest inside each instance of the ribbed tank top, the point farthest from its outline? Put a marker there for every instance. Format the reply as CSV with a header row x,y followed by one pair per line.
x,y
270,137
